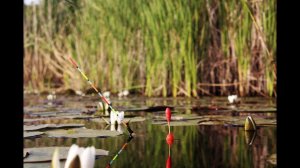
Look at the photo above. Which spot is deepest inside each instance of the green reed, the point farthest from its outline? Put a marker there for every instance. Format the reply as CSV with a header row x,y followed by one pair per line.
x,y
154,47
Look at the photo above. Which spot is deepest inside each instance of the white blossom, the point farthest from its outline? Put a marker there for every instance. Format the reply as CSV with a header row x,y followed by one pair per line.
x,y
116,117
232,98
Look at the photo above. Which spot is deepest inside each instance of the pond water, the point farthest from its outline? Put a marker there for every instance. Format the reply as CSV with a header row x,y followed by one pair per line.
x,y
209,142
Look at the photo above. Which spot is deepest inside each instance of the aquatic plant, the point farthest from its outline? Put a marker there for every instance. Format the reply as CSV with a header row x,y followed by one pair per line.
x,y
232,99
116,118
153,47
250,124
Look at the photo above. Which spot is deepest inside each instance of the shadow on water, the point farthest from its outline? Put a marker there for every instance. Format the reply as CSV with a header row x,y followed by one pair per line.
x,y
194,146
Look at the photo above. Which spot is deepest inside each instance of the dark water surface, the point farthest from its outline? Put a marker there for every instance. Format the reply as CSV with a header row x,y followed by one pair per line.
x,y
194,146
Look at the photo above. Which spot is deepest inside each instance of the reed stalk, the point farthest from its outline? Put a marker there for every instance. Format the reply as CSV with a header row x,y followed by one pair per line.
x,y
166,48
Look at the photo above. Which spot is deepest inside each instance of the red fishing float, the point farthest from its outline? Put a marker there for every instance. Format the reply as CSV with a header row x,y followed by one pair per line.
x,y
168,114
170,138
168,164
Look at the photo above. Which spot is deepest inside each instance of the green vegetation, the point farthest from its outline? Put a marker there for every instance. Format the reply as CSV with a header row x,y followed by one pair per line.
x,y
153,47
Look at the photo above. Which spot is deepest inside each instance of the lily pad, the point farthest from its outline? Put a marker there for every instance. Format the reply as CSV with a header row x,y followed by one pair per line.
x,y
178,117
50,126
133,119
209,108
28,120
79,117
266,110
177,123
44,154
41,164
31,134
62,112
35,109
36,119
82,133
234,121
215,120
221,109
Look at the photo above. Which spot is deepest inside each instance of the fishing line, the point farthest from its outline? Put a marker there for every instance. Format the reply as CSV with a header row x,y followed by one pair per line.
x,y
93,86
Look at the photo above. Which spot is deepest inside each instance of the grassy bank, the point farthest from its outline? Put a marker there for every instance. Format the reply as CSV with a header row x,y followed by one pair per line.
x,y
154,47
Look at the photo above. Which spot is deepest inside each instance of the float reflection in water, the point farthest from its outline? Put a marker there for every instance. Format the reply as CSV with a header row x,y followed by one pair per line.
x,y
131,134
169,138
250,137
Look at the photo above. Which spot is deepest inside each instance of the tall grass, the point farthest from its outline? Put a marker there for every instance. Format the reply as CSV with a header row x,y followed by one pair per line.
x,y
154,47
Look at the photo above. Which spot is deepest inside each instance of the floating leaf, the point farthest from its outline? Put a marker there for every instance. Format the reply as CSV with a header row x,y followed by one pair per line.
x,y
41,164
62,112
209,108
31,134
215,120
35,109
178,117
235,109
177,123
134,119
44,154
179,120
82,132
266,110
50,126
37,119
79,117
96,117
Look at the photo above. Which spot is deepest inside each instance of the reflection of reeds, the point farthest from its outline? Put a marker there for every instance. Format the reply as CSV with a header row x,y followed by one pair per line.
x,y
250,137
153,47
202,146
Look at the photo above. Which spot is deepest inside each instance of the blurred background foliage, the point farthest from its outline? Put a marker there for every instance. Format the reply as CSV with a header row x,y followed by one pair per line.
x,y
153,47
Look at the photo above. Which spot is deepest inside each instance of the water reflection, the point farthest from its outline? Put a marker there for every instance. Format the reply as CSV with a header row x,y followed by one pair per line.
x,y
226,147
195,146
250,137
169,140
116,127
169,161
131,133
119,152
